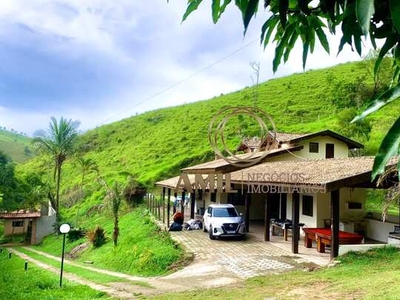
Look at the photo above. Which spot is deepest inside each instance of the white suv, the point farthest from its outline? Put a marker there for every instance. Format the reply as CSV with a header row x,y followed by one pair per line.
x,y
223,220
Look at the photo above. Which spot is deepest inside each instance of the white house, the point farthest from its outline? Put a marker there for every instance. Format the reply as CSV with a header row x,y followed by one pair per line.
x,y
307,178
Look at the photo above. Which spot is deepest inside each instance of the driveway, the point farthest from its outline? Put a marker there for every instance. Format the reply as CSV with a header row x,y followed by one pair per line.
x,y
225,261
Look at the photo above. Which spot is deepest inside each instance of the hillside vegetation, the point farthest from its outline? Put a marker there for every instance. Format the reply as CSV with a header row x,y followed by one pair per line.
x,y
16,146
157,144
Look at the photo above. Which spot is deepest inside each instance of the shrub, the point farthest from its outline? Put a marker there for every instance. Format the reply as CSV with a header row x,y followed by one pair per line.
x,y
97,236
75,234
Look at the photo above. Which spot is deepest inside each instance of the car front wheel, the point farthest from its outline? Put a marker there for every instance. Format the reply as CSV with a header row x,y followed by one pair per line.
x,y
210,233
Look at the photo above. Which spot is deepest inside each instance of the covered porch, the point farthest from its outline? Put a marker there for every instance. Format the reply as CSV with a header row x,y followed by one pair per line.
x,y
331,182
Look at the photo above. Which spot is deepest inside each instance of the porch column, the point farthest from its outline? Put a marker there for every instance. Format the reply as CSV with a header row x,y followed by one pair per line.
x,y
182,204
247,210
334,223
267,218
163,205
295,220
192,201
168,206
174,207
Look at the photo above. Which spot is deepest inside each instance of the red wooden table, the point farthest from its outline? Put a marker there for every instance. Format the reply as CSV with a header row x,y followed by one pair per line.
x,y
323,237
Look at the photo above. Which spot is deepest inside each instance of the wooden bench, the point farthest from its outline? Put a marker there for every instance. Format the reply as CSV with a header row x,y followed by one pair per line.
x,y
323,237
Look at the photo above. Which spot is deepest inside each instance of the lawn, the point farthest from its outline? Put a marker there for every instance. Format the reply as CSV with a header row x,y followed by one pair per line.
x,y
37,283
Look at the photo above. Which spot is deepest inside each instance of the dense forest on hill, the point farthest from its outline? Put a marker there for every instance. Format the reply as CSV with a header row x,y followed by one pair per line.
x,y
157,144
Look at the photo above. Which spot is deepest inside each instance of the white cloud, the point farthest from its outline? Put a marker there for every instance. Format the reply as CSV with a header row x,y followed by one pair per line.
x,y
98,60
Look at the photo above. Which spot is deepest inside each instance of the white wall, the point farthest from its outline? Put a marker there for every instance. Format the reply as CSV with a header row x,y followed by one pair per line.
x,y
378,230
341,149
308,220
44,227
321,207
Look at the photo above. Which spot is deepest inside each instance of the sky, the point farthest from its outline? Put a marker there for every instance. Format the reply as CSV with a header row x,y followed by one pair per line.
x,y
99,61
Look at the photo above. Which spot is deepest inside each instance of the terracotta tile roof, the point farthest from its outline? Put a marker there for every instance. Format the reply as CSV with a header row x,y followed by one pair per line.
x,y
329,174
173,182
321,174
287,137
21,214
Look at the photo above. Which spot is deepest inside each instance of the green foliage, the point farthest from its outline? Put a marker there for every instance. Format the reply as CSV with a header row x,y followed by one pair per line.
x,y
75,234
15,238
97,236
388,149
134,192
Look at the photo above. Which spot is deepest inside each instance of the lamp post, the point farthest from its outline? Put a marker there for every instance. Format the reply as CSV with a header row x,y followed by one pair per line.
x,y
64,228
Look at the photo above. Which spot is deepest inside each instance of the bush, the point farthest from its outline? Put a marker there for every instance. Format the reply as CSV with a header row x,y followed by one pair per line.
x,y
75,234
97,237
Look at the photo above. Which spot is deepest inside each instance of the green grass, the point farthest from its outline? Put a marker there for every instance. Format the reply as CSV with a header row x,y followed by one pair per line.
x,y
372,275
143,249
154,145
37,283
81,272
16,145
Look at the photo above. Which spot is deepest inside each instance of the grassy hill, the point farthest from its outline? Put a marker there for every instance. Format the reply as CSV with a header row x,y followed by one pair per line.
x,y
157,144
15,145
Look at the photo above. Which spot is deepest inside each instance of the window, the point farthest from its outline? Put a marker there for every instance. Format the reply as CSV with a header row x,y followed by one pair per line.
x,y
313,147
225,212
354,205
307,205
17,223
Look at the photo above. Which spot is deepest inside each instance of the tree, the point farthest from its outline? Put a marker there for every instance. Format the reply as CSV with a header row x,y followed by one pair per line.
x,y
134,191
114,197
306,20
87,166
59,143
8,183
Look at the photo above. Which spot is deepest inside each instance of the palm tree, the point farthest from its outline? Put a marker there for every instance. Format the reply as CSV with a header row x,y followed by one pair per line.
x,y
87,166
59,143
114,200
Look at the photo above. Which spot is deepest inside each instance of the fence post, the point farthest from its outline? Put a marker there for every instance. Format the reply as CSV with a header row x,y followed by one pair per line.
x,y
163,205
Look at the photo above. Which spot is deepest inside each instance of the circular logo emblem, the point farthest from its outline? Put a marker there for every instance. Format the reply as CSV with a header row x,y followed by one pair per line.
x,y
247,128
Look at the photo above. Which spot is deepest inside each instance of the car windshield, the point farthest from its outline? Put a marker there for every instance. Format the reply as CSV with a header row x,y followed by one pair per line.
x,y
224,212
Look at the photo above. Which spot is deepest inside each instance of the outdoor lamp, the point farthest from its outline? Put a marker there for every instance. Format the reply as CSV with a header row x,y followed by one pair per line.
x,y
64,228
